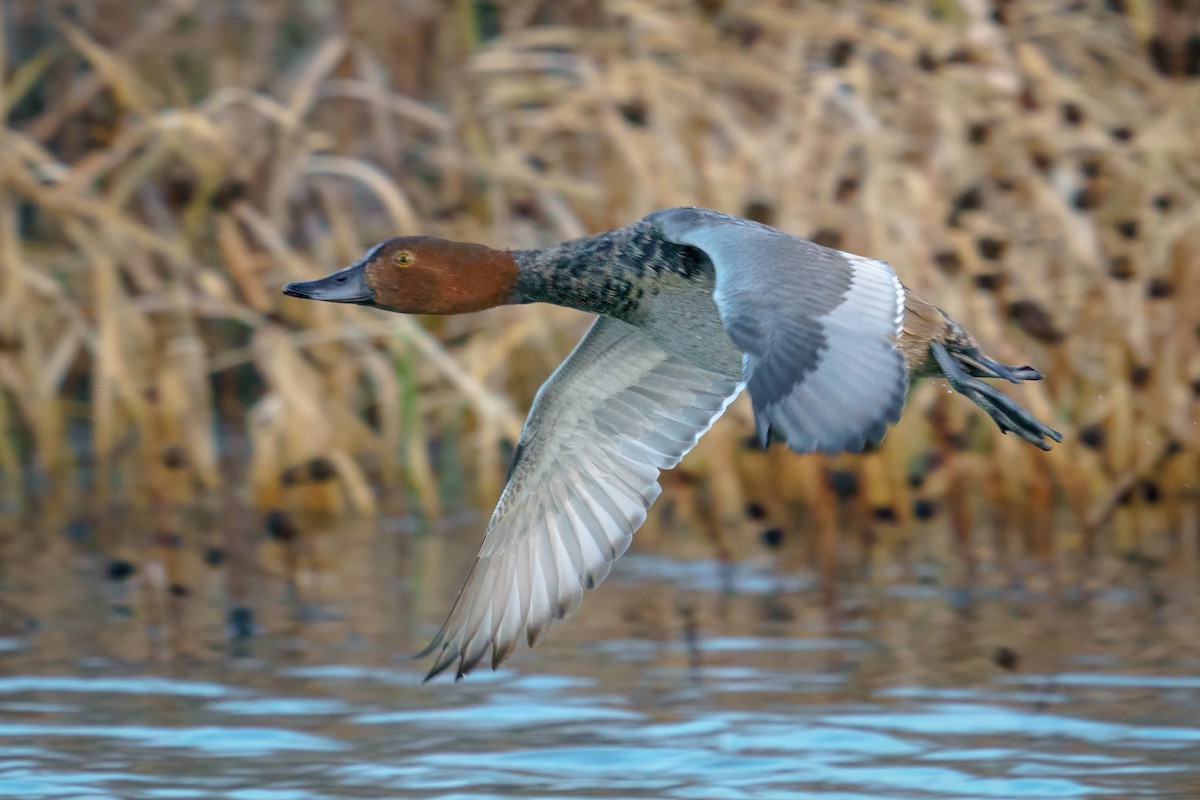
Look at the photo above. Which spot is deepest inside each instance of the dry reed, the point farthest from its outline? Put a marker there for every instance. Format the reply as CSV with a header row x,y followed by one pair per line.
x,y
1030,166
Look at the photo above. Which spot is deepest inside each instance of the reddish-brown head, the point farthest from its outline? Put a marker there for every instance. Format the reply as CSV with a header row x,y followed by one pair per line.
x,y
419,275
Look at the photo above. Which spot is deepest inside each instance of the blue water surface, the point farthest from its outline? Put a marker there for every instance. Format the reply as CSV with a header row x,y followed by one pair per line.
x,y
678,679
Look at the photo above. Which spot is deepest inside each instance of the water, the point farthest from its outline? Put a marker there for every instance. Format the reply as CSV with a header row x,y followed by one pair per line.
x,y
677,679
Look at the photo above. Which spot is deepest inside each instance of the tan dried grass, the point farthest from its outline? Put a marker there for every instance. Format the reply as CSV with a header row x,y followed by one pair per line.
x,y
149,213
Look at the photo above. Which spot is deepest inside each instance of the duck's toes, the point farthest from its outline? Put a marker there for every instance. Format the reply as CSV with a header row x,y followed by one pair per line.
x,y
980,366
1007,413
1025,373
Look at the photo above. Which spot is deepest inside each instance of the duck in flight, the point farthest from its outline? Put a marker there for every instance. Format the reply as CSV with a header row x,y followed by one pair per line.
x,y
693,307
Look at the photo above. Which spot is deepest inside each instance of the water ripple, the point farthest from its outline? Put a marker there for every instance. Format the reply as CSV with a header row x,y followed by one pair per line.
x,y
954,719
142,684
223,741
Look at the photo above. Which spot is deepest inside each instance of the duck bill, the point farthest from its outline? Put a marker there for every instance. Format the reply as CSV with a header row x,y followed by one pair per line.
x,y
347,285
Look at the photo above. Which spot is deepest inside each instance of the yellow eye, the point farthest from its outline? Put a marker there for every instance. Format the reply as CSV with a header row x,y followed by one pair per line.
x,y
403,258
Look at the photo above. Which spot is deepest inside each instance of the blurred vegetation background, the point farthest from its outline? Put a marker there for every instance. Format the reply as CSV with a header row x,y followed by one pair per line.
x,y
1033,166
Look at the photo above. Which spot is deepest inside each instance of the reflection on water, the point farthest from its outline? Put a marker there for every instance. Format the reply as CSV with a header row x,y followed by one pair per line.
x,y
249,668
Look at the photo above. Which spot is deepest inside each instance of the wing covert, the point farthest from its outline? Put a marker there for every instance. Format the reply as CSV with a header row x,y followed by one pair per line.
x,y
817,328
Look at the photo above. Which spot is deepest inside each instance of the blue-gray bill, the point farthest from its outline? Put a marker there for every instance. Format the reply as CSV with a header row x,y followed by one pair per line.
x,y
348,285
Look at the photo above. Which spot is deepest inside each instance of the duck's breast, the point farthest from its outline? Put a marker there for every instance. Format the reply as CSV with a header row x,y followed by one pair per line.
x,y
679,313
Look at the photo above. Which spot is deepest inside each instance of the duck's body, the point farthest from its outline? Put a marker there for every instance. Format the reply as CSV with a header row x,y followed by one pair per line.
x,y
635,275
694,306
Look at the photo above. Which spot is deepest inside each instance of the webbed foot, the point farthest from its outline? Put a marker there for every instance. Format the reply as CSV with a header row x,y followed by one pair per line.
x,y
980,366
1006,412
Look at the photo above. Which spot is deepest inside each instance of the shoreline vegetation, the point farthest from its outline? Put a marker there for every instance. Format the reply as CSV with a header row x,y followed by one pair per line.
x,y
1032,167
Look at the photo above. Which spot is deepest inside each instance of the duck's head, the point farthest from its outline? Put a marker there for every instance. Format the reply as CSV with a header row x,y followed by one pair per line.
x,y
419,275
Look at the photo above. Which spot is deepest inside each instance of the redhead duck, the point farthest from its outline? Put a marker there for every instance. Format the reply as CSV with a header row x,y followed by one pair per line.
x,y
693,306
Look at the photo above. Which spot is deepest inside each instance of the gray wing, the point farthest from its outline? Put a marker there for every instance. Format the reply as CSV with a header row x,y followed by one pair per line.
x,y
817,328
617,411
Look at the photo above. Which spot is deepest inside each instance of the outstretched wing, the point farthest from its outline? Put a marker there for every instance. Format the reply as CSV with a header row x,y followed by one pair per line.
x,y
817,328
617,411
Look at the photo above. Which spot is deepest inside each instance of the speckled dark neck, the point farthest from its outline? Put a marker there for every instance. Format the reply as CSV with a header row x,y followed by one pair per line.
x,y
608,273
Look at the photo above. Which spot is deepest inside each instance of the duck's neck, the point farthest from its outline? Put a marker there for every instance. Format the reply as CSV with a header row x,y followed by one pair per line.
x,y
608,273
